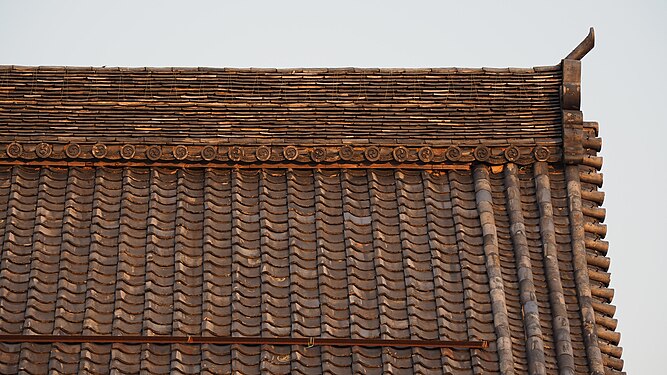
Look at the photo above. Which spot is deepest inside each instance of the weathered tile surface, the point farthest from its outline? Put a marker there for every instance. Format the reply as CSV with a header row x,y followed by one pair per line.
x,y
276,253
477,250
188,105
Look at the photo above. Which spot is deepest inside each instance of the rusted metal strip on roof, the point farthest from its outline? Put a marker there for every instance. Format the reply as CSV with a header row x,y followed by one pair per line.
x,y
227,340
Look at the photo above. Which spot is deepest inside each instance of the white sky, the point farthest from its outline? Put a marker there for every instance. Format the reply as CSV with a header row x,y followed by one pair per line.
x,y
624,83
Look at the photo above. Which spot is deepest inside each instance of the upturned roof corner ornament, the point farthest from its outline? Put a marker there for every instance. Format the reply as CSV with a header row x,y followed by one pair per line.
x,y
573,150
584,47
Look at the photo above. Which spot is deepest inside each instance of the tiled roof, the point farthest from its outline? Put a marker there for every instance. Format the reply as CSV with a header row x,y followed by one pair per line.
x,y
284,204
314,253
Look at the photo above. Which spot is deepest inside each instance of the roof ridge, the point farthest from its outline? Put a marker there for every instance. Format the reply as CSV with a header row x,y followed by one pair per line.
x,y
351,69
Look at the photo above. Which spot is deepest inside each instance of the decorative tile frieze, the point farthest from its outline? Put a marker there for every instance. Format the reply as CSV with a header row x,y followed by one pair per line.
x,y
285,154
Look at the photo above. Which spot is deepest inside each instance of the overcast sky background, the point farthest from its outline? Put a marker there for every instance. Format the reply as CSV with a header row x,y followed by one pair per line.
x,y
623,84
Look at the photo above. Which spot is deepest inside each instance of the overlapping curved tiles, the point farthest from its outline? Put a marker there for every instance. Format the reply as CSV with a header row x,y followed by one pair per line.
x,y
359,253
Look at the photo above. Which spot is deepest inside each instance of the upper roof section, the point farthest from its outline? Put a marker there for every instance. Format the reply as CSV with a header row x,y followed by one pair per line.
x,y
173,106
302,105
246,115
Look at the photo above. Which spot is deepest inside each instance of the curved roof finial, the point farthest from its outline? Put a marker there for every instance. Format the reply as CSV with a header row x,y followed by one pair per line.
x,y
584,47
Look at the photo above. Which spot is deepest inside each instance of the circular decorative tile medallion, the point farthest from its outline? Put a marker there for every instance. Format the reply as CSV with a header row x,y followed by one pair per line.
x,y
180,152
291,153
512,153
346,152
154,152
318,154
453,153
99,150
482,153
541,153
235,153
400,154
14,150
72,150
209,153
263,153
372,153
43,150
425,154
127,151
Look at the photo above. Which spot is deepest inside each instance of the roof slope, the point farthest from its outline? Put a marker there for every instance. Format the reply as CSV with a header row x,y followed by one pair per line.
x,y
446,207
393,254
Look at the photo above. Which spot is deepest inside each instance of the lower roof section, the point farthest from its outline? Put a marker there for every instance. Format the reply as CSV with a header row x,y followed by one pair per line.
x,y
480,254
